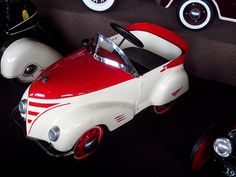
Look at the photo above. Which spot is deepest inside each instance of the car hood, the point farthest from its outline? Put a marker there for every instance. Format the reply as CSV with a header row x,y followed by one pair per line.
x,y
77,74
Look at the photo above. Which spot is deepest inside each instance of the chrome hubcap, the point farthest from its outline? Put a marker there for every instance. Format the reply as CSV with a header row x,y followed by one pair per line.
x,y
99,1
195,14
91,145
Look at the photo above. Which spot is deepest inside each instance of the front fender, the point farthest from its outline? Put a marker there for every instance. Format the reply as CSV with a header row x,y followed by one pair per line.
x,y
76,122
23,52
170,87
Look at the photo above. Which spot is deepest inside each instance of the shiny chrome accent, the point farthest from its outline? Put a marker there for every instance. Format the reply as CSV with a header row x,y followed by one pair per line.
x,y
29,70
51,151
223,147
91,145
112,63
99,1
54,133
195,14
23,106
129,68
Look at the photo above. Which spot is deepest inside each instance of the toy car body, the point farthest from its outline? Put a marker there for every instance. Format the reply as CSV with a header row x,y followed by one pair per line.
x,y
216,147
99,5
72,101
197,14
23,57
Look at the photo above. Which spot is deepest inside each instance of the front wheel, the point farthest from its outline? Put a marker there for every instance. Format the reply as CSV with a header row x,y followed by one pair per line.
x,y
88,143
195,14
99,5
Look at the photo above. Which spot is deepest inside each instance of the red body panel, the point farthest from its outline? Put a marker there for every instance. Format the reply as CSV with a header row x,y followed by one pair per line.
x,y
161,32
77,74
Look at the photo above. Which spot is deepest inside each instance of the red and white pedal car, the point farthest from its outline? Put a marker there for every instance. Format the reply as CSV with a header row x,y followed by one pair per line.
x,y
71,103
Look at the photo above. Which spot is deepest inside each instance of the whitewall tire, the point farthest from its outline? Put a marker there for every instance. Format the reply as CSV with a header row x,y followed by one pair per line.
x,y
195,14
99,5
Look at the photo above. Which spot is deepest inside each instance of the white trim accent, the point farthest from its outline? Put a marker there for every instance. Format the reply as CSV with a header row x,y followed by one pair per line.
x,y
168,5
219,13
99,7
23,21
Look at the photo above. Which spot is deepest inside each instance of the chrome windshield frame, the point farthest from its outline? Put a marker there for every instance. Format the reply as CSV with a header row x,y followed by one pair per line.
x,y
129,66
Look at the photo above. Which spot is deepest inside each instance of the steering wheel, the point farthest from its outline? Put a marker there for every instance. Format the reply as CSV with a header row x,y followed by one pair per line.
x,y
127,35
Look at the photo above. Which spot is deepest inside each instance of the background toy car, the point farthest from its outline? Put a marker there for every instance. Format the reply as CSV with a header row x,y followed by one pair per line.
x,y
198,14
98,88
23,56
99,5
216,147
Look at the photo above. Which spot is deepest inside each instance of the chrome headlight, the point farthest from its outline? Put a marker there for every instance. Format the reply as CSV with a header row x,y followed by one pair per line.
x,y
23,106
54,133
223,147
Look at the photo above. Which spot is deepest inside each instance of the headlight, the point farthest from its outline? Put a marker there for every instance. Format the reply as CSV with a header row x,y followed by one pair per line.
x,y
223,147
23,106
54,133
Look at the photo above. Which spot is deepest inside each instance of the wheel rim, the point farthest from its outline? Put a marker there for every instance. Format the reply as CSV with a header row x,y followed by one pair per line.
x,y
163,108
195,14
201,153
98,1
99,5
88,143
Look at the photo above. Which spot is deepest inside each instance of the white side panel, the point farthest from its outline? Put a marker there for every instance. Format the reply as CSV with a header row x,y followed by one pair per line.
x,y
152,43
170,87
24,52
113,107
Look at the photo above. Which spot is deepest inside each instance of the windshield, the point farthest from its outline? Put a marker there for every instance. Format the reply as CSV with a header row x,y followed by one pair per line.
x,y
106,51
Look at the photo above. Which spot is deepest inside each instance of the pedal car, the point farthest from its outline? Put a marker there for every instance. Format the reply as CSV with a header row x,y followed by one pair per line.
x,y
99,5
71,103
22,56
216,147
198,14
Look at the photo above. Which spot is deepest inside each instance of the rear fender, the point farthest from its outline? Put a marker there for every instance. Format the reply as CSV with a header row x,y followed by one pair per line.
x,y
24,52
170,87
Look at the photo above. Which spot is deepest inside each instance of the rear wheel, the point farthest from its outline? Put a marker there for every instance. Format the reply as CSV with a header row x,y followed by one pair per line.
x,y
201,151
164,108
88,143
195,14
99,5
